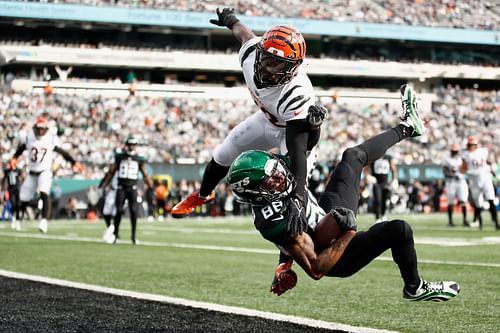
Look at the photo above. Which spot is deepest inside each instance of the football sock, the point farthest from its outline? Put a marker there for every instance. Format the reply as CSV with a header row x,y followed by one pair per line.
x,y
464,214
213,174
493,212
376,146
450,212
45,204
412,288
107,220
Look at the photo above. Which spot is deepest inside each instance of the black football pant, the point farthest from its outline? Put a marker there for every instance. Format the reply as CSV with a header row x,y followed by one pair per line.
x,y
380,196
395,235
343,190
129,194
343,187
15,202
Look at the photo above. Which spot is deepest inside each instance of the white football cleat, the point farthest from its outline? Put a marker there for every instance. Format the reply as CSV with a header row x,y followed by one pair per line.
x,y
42,226
433,291
109,236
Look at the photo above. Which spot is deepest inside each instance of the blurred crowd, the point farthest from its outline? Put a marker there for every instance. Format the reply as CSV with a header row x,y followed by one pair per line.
x,y
473,14
175,129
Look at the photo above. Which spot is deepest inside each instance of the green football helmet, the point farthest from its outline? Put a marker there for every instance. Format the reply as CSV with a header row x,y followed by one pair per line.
x,y
259,178
131,143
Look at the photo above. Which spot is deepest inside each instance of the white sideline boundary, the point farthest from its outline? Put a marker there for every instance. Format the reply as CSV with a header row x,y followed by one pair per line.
x,y
196,304
492,240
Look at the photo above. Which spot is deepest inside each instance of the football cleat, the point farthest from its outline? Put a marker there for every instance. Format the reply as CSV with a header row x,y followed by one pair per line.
x,y
433,291
109,236
410,117
187,206
42,226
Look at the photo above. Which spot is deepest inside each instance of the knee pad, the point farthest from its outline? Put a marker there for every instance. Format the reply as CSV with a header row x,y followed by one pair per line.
x,y
400,229
354,154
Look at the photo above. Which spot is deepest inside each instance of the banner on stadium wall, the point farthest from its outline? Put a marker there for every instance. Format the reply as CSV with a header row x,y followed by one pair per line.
x,y
156,17
192,172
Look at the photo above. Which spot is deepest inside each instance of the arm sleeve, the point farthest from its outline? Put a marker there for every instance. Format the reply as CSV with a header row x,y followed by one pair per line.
x,y
65,154
297,135
19,150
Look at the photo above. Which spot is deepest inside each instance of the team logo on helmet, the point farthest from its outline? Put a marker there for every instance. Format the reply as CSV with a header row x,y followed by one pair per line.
x,y
279,54
259,178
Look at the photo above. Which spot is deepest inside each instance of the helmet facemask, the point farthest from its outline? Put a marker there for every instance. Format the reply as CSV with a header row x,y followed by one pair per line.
x,y
272,70
40,130
131,144
263,184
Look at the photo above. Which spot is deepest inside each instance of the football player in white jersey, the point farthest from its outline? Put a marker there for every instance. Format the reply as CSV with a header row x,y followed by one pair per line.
x,y
478,170
41,145
455,184
287,117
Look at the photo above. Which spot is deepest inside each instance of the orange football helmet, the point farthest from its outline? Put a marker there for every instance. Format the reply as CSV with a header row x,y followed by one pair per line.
x,y
279,54
41,127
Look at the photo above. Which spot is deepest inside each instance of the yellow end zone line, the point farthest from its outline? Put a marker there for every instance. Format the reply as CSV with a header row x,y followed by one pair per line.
x,y
195,304
221,248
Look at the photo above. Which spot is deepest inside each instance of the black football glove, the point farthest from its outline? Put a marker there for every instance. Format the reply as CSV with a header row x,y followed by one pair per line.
x,y
315,115
345,218
284,278
225,18
297,220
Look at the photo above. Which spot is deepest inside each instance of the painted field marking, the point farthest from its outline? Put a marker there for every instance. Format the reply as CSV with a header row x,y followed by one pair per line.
x,y
235,248
196,304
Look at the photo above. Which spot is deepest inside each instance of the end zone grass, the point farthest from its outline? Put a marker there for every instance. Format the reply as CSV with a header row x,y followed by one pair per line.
x,y
225,261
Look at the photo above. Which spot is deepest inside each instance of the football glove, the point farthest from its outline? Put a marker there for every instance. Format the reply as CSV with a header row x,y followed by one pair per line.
x,y
345,218
225,18
284,278
297,220
315,115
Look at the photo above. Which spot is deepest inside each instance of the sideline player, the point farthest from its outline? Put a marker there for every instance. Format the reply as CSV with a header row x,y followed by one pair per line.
x,y
264,180
476,166
109,208
455,184
10,183
127,165
380,169
288,118
41,145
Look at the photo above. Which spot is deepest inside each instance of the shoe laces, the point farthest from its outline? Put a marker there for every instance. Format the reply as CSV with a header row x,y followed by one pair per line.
x,y
406,106
432,286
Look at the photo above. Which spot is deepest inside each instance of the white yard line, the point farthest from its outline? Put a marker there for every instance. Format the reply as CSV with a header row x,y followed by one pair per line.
x,y
488,240
196,304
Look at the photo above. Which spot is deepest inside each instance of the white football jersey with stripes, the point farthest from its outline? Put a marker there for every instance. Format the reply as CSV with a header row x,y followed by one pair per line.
x,y
477,161
41,151
453,163
281,103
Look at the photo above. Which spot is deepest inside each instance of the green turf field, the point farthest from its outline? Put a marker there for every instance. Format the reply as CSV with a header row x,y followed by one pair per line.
x,y
225,261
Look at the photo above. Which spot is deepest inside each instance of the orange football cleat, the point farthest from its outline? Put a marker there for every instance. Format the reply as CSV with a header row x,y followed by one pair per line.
x,y
187,206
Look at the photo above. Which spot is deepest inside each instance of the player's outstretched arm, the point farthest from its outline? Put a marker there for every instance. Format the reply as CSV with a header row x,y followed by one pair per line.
x,y
77,166
227,18
317,265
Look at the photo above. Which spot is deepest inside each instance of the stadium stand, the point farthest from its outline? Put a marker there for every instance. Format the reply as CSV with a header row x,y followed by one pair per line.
x,y
457,75
463,14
